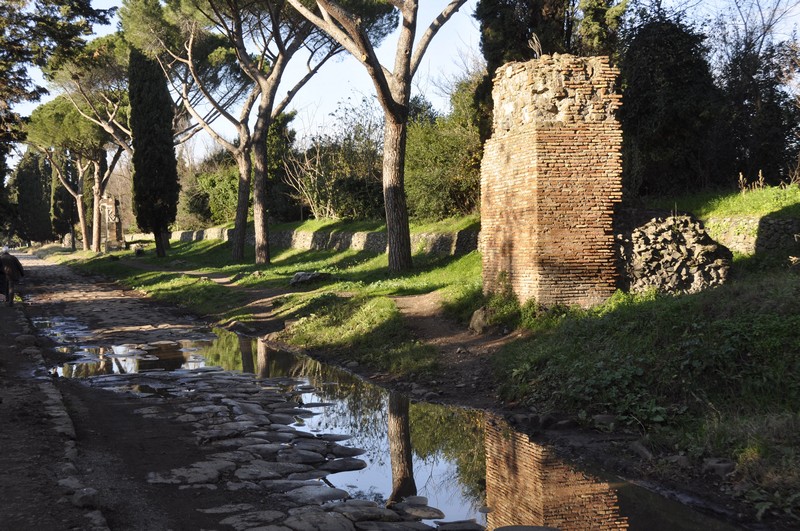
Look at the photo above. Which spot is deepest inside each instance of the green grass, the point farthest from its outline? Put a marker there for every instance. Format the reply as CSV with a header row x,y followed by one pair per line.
x,y
450,225
698,374
714,374
332,225
197,293
776,201
365,324
370,329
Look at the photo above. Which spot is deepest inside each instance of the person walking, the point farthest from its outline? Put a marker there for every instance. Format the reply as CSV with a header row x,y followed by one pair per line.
x,y
12,273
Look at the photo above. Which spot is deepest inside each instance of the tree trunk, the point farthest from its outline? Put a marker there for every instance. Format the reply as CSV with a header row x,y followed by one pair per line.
x,y
158,236
403,484
99,169
96,215
82,221
260,210
246,348
394,196
242,206
262,360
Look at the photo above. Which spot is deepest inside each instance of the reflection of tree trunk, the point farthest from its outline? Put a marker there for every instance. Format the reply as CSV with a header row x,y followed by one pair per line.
x,y
246,347
263,360
400,449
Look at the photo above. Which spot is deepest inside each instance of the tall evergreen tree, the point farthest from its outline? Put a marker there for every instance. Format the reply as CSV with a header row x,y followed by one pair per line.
x,y
6,210
31,33
62,135
761,119
155,177
30,186
670,112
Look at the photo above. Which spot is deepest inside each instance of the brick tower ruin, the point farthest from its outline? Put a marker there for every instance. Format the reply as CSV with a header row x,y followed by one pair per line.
x,y
550,180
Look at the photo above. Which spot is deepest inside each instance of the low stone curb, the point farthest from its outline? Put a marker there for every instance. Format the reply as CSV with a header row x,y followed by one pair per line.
x,y
55,410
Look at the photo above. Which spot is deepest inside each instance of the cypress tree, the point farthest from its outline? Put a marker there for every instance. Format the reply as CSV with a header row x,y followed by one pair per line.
x,y
31,183
155,177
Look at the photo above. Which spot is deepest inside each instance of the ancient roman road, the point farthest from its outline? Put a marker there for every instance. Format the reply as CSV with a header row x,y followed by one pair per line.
x,y
184,449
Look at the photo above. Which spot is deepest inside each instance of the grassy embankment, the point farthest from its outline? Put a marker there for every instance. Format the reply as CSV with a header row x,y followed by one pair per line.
x,y
715,374
352,312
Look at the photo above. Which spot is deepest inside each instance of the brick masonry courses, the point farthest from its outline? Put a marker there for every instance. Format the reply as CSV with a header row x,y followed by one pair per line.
x,y
526,482
550,180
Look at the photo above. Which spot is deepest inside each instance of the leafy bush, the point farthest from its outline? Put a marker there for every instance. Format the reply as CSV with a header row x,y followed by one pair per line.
x,y
338,175
218,180
443,158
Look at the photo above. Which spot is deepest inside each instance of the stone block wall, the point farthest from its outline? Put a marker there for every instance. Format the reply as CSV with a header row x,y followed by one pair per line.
x,y
526,484
550,180
453,244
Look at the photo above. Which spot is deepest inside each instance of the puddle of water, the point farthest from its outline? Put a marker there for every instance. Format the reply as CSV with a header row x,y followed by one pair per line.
x,y
92,360
64,331
469,464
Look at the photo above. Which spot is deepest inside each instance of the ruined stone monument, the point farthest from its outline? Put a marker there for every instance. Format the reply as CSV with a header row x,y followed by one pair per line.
x,y
111,224
550,180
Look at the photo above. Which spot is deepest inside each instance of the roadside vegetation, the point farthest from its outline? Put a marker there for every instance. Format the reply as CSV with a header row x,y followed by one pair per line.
x,y
351,312
709,375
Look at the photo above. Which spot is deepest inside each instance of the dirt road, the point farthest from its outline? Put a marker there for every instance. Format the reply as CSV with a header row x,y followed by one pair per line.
x,y
215,455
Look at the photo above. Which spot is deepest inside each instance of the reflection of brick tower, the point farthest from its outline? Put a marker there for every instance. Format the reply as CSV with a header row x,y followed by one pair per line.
x,y
527,485
550,177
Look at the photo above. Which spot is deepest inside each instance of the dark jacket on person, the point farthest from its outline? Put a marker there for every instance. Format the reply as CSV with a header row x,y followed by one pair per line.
x,y
12,269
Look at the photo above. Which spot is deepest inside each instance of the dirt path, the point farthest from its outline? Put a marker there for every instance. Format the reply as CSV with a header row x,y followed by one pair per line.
x,y
75,457
259,302
464,357
71,457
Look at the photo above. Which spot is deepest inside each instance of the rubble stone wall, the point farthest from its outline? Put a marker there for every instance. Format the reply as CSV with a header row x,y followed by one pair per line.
x,y
550,180
750,235
672,255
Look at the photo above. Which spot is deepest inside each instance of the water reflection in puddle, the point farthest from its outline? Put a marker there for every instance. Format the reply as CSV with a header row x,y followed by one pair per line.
x,y
469,464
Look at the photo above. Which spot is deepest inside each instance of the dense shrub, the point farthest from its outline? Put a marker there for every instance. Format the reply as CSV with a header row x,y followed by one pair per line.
x,y
220,183
443,158
338,175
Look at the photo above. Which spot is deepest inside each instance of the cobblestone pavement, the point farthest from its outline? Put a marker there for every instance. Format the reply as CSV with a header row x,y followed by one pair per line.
x,y
187,449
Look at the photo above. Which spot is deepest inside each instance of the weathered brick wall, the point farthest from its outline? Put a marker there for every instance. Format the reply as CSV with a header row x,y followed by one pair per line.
x,y
550,179
527,485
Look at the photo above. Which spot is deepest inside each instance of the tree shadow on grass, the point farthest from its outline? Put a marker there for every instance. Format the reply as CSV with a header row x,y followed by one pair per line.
x,y
777,241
